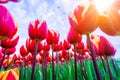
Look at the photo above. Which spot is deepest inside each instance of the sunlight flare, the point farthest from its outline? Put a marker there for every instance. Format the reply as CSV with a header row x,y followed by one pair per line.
x,y
103,5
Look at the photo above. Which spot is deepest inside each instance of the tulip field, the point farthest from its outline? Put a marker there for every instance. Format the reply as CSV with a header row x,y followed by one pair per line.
x,y
45,57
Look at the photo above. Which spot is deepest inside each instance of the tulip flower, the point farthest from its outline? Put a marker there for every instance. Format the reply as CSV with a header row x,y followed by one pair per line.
x,y
30,45
23,51
105,48
73,38
58,47
8,27
7,63
5,1
66,45
8,51
12,74
52,38
37,30
83,23
81,19
108,22
10,43
45,46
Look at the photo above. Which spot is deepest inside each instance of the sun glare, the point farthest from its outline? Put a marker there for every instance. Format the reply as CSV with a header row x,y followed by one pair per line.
x,y
103,5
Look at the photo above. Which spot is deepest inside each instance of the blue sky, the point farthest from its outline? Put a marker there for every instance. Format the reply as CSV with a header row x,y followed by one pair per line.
x,y
55,12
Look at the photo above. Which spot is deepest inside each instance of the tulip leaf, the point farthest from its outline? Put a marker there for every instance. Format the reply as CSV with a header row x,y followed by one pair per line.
x,y
22,72
28,73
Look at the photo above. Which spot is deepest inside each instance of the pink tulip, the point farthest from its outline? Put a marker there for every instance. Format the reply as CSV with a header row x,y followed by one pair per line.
x,y
104,46
73,37
8,27
5,1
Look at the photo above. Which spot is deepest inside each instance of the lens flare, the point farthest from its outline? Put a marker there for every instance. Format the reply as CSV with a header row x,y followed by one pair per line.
x,y
103,5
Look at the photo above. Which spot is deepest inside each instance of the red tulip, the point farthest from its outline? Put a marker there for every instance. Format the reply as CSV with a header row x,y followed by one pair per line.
x,y
37,30
8,27
8,51
30,45
58,47
23,51
45,47
52,37
80,46
66,45
73,37
104,46
9,43
81,19
42,53
64,53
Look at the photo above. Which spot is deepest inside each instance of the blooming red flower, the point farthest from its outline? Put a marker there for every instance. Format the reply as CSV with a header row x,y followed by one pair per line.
x,y
30,45
42,53
9,43
37,30
73,37
8,27
80,46
104,46
66,45
23,51
8,51
52,37
81,19
58,47
45,46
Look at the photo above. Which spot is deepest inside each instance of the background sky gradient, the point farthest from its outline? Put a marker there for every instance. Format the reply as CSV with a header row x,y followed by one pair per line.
x,y
54,12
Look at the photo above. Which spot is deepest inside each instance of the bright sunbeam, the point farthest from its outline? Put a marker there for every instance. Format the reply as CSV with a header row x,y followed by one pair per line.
x,y
102,5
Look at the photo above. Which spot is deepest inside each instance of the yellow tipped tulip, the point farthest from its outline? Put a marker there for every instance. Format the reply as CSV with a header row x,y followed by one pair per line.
x,y
12,74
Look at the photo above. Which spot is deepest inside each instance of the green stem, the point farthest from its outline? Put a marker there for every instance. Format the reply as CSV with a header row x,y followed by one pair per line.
x,y
103,63
53,76
82,66
33,65
44,67
109,71
113,63
75,63
94,59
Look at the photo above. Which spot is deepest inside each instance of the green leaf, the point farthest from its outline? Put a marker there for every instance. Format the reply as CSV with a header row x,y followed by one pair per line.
x,y
22,72
28,73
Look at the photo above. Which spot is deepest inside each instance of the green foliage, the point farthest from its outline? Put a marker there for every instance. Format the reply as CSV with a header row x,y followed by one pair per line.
x,y
65,71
